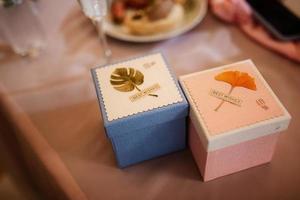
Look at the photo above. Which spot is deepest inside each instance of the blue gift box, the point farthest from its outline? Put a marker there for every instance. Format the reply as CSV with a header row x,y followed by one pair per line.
x,y
153,129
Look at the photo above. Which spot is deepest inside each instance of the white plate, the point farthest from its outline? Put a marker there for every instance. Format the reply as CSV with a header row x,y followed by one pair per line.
x,y
192,18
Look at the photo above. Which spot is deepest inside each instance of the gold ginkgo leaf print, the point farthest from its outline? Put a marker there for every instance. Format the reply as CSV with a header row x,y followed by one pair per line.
x,y
127,79
235,79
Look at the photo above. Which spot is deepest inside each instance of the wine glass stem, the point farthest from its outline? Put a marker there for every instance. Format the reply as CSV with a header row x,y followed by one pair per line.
x,y
106,50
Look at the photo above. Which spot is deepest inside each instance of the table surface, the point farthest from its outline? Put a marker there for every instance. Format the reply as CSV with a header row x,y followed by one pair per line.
x,y
57,91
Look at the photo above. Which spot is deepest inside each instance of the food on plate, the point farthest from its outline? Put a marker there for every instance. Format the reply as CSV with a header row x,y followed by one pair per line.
x,y
118,11
160,9
145,17
138,4
140,24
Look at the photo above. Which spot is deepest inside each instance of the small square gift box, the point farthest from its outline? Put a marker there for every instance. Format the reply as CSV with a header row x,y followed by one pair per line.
x,y
143,108
235,118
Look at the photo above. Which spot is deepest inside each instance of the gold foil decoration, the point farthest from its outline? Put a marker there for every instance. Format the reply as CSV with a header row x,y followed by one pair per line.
x,y
127,79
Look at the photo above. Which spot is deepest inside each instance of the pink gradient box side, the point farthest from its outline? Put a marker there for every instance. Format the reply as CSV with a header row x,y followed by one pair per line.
x,y
230,159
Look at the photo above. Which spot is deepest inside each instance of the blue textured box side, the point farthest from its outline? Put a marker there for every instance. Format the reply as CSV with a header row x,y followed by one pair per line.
x,y
150,142
129,134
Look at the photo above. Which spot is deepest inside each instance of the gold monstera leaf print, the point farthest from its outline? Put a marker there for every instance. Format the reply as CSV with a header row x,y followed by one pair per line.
x,y
127,79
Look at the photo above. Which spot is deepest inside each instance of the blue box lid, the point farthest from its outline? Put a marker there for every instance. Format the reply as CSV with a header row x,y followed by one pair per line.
x,y
132,96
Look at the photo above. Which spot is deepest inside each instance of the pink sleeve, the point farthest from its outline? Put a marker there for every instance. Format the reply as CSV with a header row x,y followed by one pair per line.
x,y
239,13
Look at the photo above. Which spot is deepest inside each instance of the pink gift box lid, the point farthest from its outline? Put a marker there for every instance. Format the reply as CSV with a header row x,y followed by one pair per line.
x,y
233,104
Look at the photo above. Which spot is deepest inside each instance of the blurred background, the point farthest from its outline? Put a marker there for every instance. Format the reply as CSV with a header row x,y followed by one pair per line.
x,y
52,143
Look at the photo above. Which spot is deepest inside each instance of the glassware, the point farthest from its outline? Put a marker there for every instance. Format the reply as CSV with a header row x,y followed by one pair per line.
x,y
21,27
96,10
